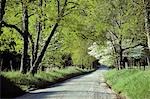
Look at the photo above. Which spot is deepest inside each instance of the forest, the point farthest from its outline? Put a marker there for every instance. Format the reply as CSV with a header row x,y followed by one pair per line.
x,y
45,35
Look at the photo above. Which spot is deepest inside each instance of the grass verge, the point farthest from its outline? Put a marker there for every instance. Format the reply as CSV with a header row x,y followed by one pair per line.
x,y
134,84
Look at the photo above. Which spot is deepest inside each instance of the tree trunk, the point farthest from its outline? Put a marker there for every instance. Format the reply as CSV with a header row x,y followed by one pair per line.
x,y
148,61
37,41
120,53
147,21
148,40
35,66
24,59
1,64
2,12
120,59
39,29
11,67
114,52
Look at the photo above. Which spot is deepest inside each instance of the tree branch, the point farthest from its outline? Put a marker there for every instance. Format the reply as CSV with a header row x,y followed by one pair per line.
x,y
69,10
18,30
58,6
113,34
4,24
61,14
133,47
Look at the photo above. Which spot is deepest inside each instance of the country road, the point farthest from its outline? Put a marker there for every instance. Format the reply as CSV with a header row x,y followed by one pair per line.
x,y
90,86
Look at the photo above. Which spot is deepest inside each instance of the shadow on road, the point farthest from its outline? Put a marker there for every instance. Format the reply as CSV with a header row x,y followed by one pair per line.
x,y
68,94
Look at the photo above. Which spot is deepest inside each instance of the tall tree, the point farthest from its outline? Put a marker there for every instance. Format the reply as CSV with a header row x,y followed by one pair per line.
x,y
147,20
39,30
38,60
25,30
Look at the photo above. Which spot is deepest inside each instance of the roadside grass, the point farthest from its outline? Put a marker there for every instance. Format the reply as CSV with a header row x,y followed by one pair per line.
x,y
133,83
42,79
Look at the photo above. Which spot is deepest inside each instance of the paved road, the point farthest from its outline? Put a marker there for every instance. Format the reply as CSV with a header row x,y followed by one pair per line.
x,y
91,86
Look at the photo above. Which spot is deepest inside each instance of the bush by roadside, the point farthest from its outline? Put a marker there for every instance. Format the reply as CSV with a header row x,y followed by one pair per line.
x,y
134,84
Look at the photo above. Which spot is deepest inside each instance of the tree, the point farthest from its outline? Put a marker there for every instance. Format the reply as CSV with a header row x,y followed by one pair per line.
x,y
24,33
39,30
61,14
147,20
121,22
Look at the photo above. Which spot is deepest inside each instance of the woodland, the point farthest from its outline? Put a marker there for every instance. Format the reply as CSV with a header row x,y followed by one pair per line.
x,y
44,34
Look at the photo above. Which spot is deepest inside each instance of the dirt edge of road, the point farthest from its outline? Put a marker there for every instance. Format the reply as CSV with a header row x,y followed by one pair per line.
x,y
119,96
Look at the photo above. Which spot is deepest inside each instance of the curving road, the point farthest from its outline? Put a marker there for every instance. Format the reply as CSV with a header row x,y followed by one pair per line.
x,y
91,86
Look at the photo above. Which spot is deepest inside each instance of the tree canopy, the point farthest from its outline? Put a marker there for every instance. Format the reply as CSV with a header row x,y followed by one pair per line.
x,y
51,32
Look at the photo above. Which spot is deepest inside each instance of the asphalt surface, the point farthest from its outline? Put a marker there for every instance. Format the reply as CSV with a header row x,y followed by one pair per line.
x,y
90,86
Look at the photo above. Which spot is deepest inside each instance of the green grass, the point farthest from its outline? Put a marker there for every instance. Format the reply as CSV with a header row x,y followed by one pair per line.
x,y
42,79
135,84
